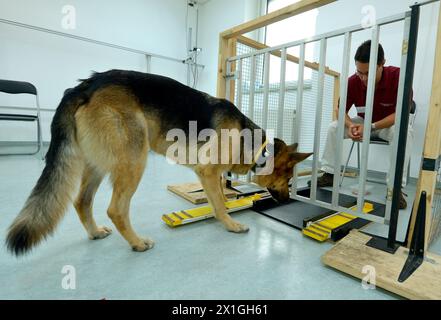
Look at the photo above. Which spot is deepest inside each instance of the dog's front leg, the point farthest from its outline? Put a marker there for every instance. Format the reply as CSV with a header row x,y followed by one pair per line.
x,y
212,187
222,186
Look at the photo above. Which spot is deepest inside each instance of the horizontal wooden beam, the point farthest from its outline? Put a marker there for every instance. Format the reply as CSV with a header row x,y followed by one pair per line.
x,y
278,15
258,45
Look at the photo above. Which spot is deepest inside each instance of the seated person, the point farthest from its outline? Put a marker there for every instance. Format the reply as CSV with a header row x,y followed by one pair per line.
x,y
383,118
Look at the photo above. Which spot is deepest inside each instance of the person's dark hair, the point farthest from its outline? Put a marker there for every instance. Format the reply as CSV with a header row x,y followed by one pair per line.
x,y
364,52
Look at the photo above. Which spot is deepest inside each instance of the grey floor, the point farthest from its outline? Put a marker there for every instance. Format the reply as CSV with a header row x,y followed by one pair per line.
x,y
196,261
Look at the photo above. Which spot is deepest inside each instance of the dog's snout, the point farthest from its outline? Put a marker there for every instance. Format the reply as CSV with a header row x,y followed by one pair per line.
x,y
281,197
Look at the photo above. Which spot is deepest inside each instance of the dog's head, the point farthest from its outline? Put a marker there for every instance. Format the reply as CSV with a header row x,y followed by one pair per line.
x,y
285,157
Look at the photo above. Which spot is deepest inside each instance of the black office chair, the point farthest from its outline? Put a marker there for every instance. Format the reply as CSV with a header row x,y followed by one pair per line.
x,y
18,87
377,141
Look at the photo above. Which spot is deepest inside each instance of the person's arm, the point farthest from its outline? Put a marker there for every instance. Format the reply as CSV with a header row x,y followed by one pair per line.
x,y
387,122
351,127
349,104
348,121
384,123
349,124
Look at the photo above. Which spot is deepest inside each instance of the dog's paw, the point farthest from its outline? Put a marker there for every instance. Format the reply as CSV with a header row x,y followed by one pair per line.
x,y
236,227
144,245
100,233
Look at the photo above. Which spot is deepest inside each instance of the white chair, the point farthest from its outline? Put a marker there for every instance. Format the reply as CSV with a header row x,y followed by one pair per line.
x,y
377,141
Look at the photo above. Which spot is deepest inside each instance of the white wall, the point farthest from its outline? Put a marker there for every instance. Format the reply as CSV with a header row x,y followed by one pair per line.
x,y
54,63
217,16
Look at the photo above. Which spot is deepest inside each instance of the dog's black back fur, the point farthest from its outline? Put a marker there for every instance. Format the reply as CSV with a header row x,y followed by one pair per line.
x,y
173,102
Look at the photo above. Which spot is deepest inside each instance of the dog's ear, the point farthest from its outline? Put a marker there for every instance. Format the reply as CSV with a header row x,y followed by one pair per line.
x,y
292,148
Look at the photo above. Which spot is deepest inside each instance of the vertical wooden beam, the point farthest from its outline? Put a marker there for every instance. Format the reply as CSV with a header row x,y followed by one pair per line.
x,y
232,50
221,68
227,48
427,179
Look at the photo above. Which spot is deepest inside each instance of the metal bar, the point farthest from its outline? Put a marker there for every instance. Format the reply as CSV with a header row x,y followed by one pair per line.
x,y
318,117
148,61
398,112
329,206
299,107
228,81
402,139
28,108
239,84
358,157
368,116
228,183
346,164
299,99
341,117
39,129
39,132
282,87
102,43
251,97
337,33
266,77
189,34
252,87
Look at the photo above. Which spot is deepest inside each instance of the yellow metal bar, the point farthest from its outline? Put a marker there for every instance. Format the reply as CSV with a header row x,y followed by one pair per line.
x,y
178,218
321,230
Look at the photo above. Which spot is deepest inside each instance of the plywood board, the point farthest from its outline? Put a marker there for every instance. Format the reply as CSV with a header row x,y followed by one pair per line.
x,y
351,254
194,193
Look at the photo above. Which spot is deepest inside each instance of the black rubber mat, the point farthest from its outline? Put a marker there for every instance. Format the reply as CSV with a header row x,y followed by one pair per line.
x,y
297,214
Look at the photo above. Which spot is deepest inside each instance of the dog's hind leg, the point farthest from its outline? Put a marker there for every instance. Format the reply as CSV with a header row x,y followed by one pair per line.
x,y
212,187
125,181
90,182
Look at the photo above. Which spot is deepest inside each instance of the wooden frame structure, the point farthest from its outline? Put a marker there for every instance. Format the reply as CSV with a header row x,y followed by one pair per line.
x,y
229,38
352,254
432,142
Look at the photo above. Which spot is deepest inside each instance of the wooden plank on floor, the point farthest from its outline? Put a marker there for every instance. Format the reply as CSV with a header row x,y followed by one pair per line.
x,y
193,192
351,254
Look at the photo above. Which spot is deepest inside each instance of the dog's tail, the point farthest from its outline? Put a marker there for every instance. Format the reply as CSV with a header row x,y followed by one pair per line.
x,y
48,200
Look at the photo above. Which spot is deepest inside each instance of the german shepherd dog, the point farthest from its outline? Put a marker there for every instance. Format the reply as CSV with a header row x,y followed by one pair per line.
x,y
107,125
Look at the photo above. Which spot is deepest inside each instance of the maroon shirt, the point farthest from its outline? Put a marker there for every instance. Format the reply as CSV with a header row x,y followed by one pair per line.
x,y
385,100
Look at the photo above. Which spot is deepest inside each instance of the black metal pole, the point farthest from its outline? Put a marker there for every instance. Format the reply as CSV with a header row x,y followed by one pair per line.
x,y
229,184
402,138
